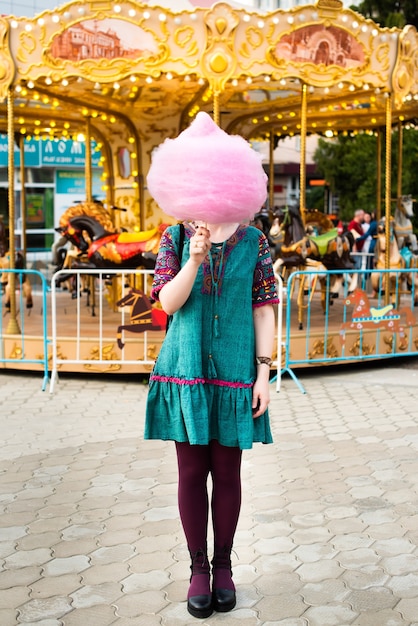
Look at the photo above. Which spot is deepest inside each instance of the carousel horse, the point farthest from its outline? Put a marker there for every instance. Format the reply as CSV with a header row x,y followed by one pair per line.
x,y
143,315
328,247
108,250
296,251
403,225
22,280
365,317
398,259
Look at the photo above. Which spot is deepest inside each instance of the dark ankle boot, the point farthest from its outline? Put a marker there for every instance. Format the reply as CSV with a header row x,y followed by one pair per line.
x,y
199,597
223,591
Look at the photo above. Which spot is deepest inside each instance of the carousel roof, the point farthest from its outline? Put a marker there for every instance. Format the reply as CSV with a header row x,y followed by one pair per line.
x,y
150,69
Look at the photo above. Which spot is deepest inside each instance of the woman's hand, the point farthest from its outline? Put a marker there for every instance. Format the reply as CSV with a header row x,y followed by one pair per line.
x,y
200,244
261,396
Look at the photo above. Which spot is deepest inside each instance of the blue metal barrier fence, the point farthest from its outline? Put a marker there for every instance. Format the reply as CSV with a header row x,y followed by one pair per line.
x,y
14,341
332,317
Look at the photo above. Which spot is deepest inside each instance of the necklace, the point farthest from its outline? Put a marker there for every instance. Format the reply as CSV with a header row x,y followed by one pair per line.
x,y
216,267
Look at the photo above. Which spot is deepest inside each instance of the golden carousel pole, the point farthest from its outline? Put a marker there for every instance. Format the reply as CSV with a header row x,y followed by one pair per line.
x,y
271,174
400,161
216,112
89,185
388,191
379,176
13,326
23,196
302,174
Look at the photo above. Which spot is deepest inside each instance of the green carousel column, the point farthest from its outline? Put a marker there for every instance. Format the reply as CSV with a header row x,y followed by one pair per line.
x,y
388,191
13,326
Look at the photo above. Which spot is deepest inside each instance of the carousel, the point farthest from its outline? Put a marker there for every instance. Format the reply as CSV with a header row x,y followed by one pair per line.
x,y
128,75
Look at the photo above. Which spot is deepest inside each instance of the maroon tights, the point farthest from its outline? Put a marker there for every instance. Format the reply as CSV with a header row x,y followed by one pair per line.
x,y
195,463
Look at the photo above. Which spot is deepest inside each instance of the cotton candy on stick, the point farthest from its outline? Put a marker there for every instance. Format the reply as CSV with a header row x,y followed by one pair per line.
x,y
205,174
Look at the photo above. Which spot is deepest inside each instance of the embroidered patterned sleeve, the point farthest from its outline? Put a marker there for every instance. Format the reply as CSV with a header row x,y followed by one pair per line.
x,y
264,282
166,266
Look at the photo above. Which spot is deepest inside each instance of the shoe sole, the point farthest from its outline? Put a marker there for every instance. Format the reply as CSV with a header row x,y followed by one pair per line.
x,y
200,614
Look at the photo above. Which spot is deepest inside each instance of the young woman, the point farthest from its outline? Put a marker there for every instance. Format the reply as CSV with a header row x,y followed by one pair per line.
x,y
209,389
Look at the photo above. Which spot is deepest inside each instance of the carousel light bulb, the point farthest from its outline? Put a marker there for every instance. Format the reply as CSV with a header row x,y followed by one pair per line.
x,y
187,78
14,24
133,78
66,125
28,28
112,119
48,80
131,12
275,20
64,82
260,24
131,140
116,86
146,15
355,24
169,76
177,21
56,19
246,18
117,8
162,17
249,80
148,80
267,79
290,20
31,84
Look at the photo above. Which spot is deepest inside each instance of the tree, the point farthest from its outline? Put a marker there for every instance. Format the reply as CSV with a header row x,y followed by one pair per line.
x,y
349,165
389,13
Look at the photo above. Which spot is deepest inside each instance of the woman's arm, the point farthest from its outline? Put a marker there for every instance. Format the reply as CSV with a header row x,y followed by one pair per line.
x,y
264,327
175,293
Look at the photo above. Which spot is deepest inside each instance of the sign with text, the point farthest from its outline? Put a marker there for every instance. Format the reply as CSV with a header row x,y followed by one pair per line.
x,y
49,152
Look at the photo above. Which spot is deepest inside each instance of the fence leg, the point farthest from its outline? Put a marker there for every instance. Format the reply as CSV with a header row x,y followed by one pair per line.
x,y
295,378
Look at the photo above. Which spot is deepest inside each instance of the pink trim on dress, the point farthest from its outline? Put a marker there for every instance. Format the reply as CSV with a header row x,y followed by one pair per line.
x,y
196,381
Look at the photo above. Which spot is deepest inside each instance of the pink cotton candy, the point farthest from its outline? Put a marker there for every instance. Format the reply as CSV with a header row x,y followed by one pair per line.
x,y
206,174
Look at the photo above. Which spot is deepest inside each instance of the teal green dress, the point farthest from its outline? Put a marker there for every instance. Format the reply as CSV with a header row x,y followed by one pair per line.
x,y
201,385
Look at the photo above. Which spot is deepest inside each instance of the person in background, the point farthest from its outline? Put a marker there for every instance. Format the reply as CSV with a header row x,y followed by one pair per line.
x,y
355,227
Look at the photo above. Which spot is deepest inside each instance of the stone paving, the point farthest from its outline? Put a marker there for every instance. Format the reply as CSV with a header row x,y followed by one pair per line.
x,y
328,534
